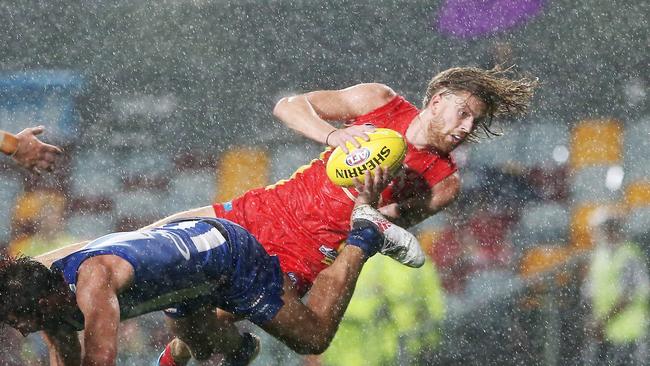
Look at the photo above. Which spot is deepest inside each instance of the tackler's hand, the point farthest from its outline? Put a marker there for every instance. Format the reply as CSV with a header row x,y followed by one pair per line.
x,y
372,186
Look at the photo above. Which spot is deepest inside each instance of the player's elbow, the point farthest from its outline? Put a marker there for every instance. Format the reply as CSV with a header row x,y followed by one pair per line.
x,y
280,107
321,346
284,107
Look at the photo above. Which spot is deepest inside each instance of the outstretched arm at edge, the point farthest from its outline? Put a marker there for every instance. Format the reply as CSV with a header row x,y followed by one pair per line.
x,y
28,151
206,211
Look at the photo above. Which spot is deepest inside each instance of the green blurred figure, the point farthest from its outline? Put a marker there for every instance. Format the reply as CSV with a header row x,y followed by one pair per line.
x,y
617,291
393,318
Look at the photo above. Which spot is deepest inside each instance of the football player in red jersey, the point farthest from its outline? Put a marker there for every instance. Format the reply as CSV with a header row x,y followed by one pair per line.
x,y
305,219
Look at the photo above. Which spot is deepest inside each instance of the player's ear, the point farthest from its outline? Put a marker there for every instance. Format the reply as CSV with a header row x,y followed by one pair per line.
x,y
436,98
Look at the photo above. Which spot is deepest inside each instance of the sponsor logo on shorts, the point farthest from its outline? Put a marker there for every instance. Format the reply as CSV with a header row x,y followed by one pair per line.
x,y
227,206
257,301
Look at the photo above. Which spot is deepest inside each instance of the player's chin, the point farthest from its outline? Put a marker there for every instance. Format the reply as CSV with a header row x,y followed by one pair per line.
x,y
454,146
446,146
451,143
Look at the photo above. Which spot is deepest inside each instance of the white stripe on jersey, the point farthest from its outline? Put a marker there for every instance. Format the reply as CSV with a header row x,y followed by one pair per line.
x,y
203,242
348,193
209,240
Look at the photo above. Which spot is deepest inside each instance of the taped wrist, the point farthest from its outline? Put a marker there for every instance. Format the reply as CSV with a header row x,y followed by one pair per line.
x,y
365,235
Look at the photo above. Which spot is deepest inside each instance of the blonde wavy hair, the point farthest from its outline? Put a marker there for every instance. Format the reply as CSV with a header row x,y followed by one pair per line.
x,y
504,94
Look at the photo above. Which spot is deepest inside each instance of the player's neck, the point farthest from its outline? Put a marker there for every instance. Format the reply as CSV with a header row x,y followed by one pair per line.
x,y
416,133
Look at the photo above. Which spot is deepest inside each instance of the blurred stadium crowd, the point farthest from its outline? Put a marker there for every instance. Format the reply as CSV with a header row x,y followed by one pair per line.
x,y
512,277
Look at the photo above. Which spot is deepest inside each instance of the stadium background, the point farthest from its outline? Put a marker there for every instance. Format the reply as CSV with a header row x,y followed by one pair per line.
x,y
163,106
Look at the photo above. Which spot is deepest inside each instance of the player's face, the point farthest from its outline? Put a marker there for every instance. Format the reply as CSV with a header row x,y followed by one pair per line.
x,y
450,118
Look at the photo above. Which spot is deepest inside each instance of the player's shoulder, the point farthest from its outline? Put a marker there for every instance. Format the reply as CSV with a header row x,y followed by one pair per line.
x,y
370,96
108,264
375,91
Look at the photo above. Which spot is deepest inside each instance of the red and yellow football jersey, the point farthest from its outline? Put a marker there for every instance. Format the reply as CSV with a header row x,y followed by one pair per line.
x,y
304,219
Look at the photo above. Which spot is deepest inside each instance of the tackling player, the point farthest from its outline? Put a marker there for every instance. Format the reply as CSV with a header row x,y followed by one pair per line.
x,y
187,267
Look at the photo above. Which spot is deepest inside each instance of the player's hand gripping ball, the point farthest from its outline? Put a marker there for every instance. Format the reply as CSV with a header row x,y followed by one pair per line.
x,y
385,148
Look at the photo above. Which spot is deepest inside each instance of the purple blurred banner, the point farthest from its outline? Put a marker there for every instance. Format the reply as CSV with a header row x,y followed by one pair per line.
x,y
471,18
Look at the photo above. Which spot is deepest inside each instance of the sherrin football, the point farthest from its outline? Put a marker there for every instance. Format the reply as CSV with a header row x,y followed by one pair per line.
x,y
386,148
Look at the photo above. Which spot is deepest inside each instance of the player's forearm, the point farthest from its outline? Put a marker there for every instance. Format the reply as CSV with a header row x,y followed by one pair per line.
x,y
298,114
101,322
412,211
331,293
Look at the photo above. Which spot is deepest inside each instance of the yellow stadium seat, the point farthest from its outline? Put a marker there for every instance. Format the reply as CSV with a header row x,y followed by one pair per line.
x,y
544,258
31,204
637,194
596,142
240,170
581,237
580,230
